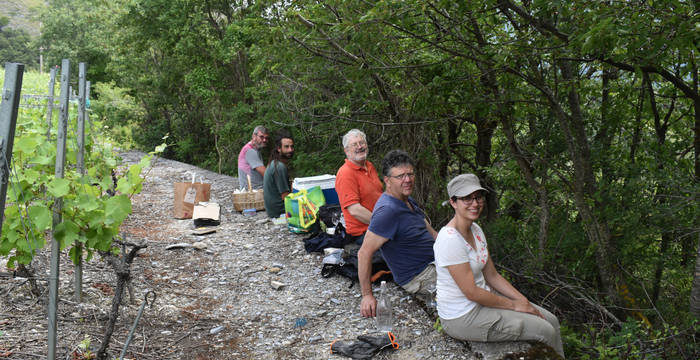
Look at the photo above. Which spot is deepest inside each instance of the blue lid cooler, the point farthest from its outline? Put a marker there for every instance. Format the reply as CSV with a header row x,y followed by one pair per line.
x,y
326,182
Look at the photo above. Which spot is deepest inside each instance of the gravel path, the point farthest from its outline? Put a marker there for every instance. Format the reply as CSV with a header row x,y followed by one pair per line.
x,y
215,303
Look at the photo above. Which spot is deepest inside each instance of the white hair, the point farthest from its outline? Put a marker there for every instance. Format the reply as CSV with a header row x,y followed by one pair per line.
x,y
353,133
259,130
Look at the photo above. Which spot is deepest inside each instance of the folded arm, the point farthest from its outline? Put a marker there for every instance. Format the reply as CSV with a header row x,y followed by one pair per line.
x,y
512,299
360,213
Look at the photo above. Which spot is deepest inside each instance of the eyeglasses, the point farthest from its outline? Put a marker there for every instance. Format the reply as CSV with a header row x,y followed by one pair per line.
x,y
358,144
404,176
470,199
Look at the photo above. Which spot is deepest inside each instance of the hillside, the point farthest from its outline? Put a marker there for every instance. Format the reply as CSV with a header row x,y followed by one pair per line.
x,y
23,14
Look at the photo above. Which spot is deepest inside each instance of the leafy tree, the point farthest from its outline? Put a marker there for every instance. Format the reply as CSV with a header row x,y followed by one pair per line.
x,y
78,30
193,80
16,45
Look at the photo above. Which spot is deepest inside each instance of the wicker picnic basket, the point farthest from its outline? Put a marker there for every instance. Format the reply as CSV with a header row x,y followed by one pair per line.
x,y
249,200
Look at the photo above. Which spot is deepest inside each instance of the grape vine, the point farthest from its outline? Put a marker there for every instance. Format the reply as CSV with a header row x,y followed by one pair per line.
x,y
94,204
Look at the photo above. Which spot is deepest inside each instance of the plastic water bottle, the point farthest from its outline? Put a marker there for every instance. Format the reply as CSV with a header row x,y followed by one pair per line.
x,y
384,316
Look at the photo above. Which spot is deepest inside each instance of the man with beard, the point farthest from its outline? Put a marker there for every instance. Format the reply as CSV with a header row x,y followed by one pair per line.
x,y
401,232
357,184
250,161
276,184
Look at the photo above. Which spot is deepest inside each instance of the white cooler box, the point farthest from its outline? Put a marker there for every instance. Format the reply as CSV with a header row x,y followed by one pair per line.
x,y
326,182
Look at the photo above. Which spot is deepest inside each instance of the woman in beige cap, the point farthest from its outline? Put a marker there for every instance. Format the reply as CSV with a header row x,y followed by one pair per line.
x,y
474,301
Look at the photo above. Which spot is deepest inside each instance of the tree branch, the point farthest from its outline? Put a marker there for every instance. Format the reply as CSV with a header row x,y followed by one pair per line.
x,y
541,25
676,81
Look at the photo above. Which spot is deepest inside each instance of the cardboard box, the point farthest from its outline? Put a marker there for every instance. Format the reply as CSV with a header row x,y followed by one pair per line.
x,y
206,214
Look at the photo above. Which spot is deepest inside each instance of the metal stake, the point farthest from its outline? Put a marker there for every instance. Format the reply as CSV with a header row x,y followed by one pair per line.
x,y
136,322
78,275
8,120
58,206
49,105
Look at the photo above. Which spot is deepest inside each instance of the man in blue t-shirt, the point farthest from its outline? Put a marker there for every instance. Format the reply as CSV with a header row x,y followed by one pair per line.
x,y
399,230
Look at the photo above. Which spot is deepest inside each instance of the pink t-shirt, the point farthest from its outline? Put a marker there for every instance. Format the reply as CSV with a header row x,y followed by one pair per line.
x,y
248,160
242,163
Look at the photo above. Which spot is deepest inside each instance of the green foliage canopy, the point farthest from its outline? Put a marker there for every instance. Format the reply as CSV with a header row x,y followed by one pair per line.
x,y
17,46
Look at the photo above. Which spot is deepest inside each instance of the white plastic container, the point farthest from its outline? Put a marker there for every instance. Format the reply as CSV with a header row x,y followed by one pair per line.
x,y
326,182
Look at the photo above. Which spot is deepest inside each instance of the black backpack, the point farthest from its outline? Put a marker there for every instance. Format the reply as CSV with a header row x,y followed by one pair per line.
x,y
318,241
380,270
330,214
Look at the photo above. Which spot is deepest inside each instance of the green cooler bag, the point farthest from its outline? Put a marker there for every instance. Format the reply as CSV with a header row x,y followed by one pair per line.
x,y
302,208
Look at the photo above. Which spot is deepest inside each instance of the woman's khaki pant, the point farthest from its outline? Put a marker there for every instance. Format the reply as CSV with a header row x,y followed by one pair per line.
x,y
490,324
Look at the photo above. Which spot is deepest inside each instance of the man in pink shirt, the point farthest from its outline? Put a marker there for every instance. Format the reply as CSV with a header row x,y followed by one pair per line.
x,y
250,161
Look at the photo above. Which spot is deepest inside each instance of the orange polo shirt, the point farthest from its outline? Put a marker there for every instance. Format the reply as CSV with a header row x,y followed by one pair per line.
x,y
354,185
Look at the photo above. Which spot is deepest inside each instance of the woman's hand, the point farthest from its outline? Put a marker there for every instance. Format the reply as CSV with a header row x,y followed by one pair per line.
x,y
523,305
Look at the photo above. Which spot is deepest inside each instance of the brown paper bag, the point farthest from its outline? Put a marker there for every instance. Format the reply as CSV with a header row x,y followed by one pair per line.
x,y
186,195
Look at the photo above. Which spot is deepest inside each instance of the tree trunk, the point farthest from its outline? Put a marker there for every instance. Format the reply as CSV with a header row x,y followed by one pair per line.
x,y
484,136
638,123
584,184
695,292
607,128
660,263
696,137
537,187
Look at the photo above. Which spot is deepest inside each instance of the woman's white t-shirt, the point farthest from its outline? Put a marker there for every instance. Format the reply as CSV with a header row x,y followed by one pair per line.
x,y
450,249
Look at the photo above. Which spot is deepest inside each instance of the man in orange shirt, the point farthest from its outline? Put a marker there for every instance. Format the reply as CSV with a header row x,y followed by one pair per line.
x,y
357,184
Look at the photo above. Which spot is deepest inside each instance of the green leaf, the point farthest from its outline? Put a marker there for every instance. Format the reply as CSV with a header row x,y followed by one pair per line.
x,y
160,148
24,258
11,262
74,254
40,215
117,208
135,174
88,255
95,218
87,203
8,241
101,239
26,144
66,233
123,185
58,187
42,160
145,161
31,175
22,244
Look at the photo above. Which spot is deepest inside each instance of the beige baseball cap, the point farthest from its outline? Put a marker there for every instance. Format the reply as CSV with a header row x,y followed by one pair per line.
x,y
463,185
